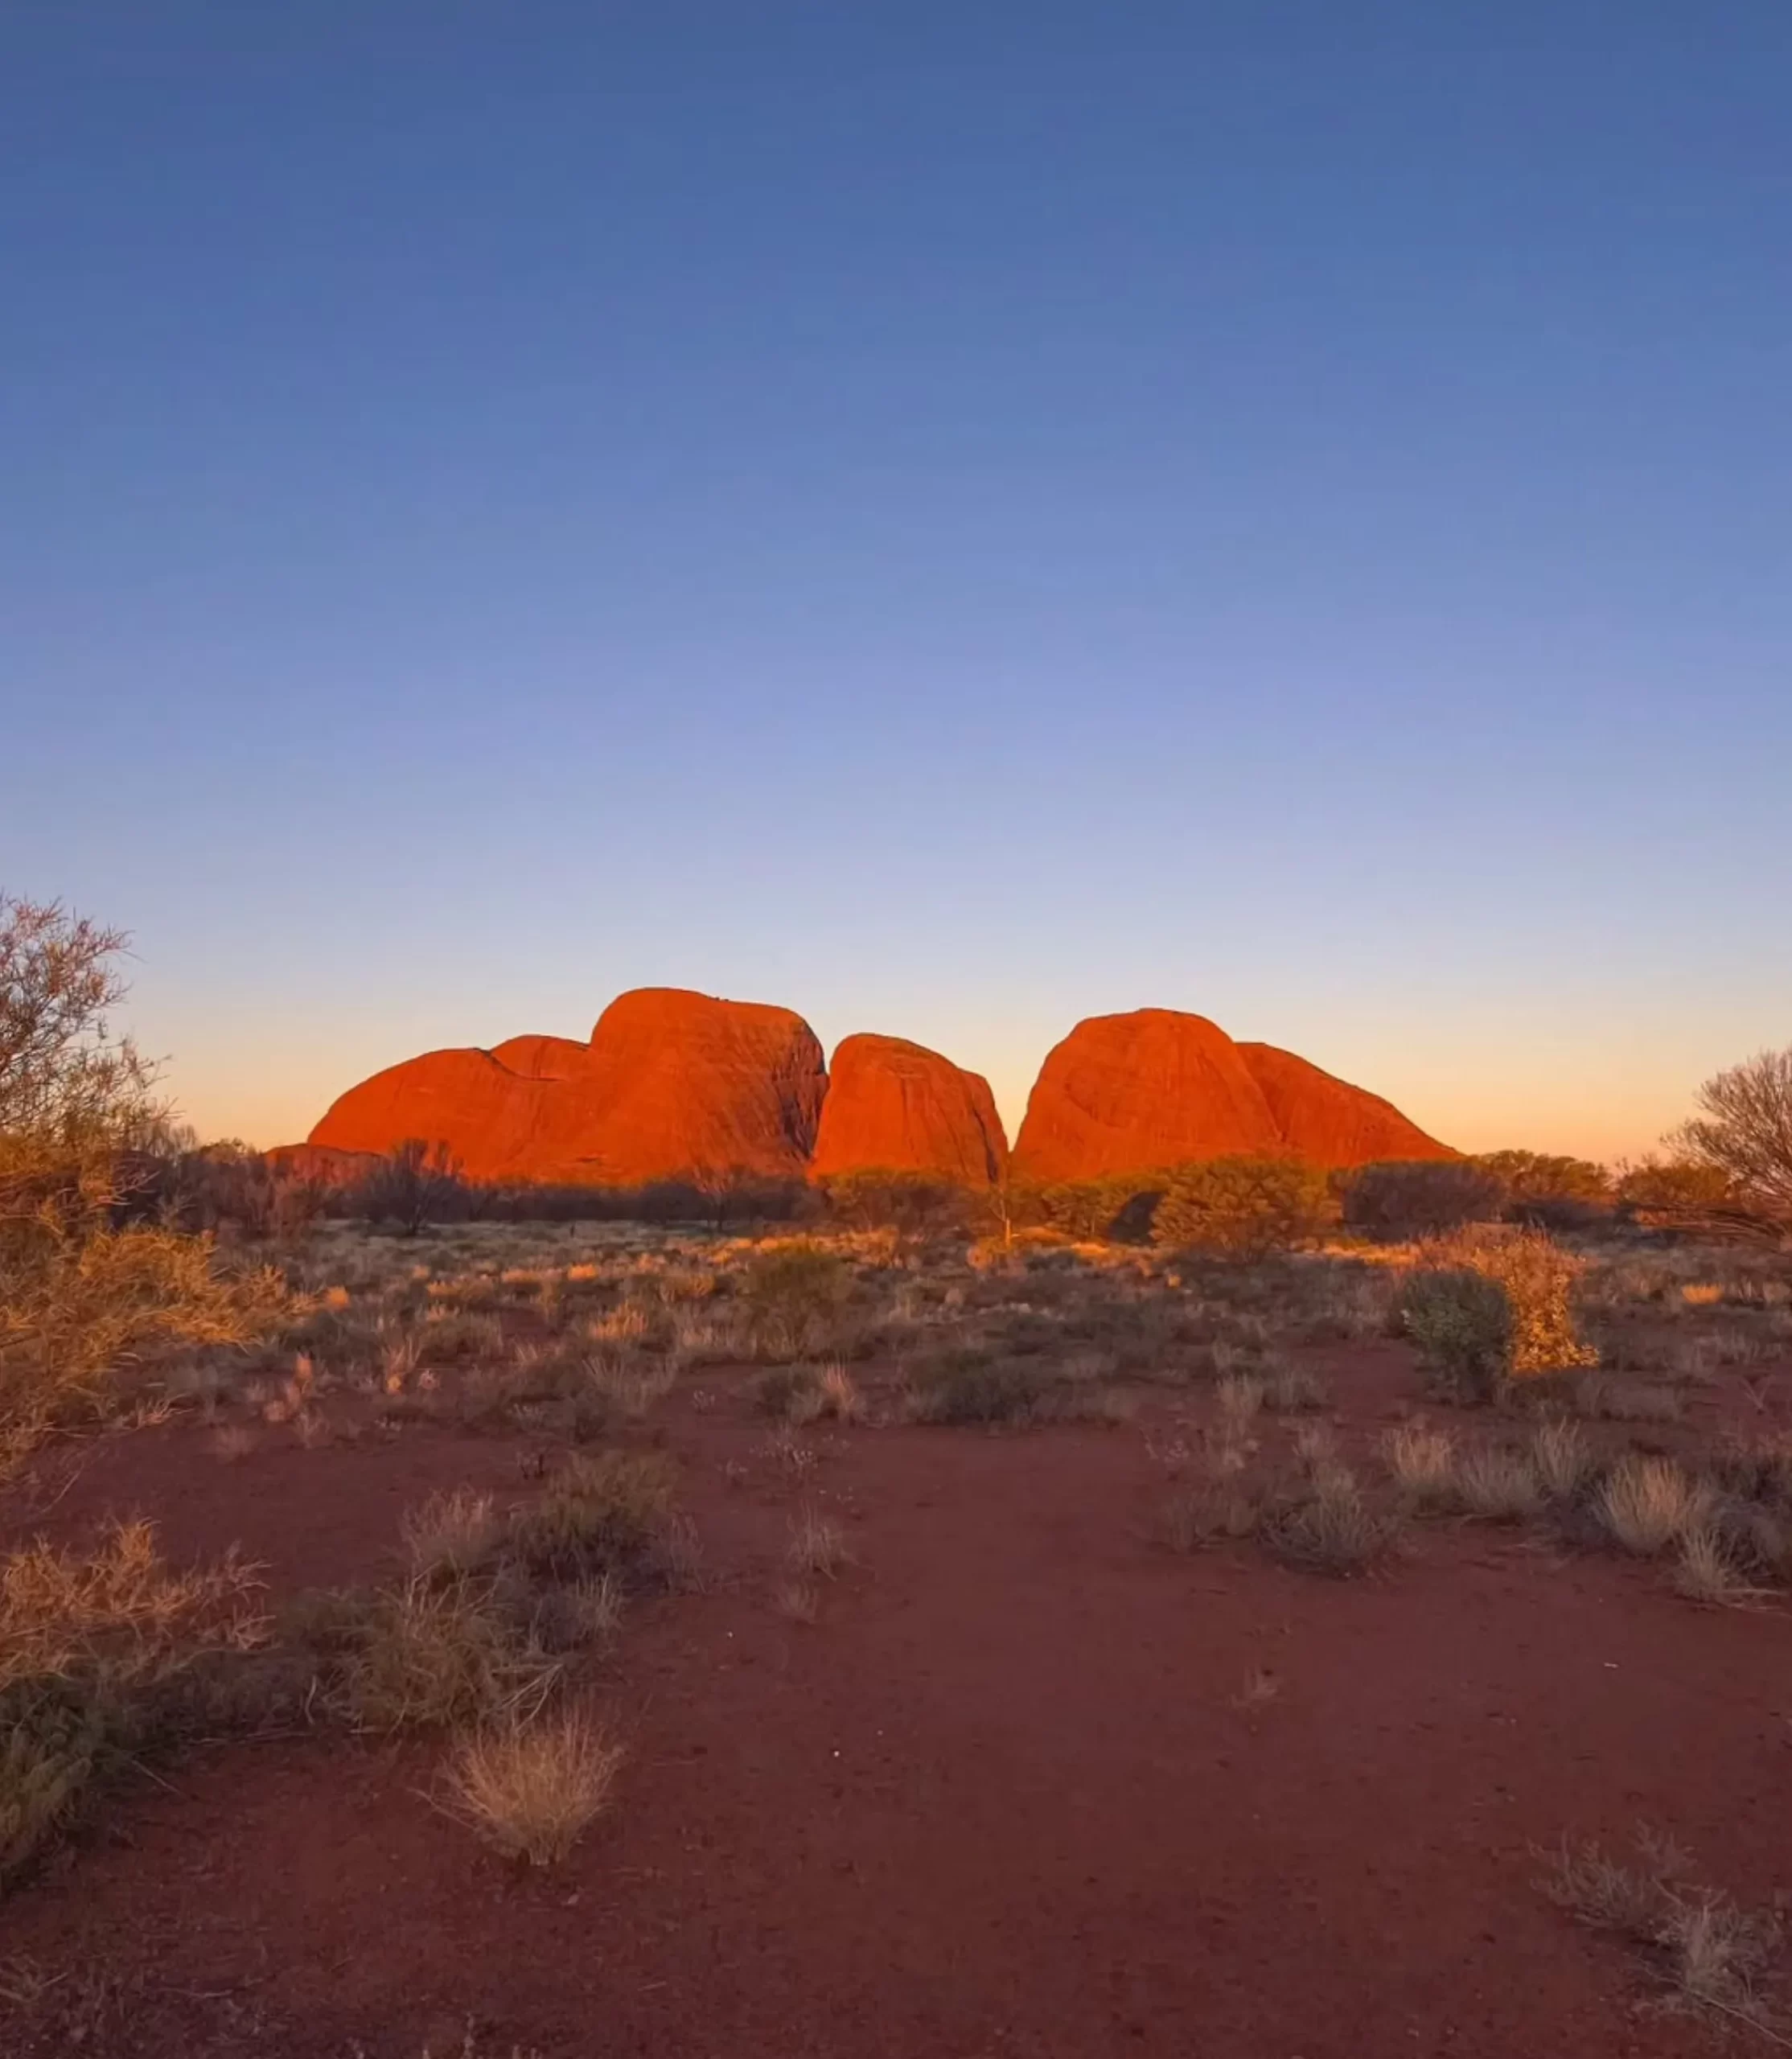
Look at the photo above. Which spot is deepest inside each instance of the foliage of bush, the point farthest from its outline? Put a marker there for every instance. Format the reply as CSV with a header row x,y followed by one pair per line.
x,y
795,1295
1398,1199
414,1184
80,1297
1670,1189
1243,1207
1476,1341
1461,1321
1088,1211
1549,1192
913,1204
969,1387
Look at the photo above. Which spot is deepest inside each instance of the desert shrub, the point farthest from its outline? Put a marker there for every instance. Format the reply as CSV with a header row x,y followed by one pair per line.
x,y
1461,1322
1670,1190
1331,1527
530,1789
1088,1211
912,1204
1243,1207
796,1296
415,1184
1398,1199
431,1652
1708,1952
228,1185
969,1387
95,1650
1459,1327
600,1513
1422,1462
1559,1454
1548,1192
84,1292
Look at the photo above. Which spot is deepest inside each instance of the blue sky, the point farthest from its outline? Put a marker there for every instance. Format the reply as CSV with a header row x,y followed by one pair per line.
x,y
951,518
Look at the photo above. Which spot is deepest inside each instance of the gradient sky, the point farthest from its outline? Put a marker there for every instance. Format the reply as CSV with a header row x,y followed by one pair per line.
x,y
954,518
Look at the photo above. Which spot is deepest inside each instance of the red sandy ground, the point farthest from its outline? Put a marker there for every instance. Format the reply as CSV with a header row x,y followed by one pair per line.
x,y
1001,1798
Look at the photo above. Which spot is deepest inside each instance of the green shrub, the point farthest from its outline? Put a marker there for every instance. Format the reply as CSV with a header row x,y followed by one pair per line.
x,y
1398,1199
1243,1207
796,1296
1461,1322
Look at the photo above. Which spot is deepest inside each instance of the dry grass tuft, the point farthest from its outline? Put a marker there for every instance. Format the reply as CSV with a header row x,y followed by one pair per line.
x,y
1422,1461
1647,1504
1499,1485
1333,1529
1707,1952
452,1533
531,1789
1709,1574
1561,1459
816,1546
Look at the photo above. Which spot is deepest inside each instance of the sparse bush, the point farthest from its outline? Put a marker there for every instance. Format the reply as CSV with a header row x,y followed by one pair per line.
x,y
453,1533
1334,1528
967,1387
97,1651
415,1184
1398,1199
431,1652
599,1514
1744,1133
816,1546
912,1204
1243,1207
1708,1952
1548,1192
530,1789
1668,1191
795,1295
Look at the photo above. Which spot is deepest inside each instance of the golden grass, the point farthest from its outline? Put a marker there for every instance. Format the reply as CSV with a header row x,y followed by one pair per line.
x,y
1497,1485
1422,1462
530,1790
1647,1504
453,1532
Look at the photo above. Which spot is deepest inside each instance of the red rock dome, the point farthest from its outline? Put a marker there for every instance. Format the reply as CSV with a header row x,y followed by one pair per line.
x,y
897,1106
1132,1093
1328,1122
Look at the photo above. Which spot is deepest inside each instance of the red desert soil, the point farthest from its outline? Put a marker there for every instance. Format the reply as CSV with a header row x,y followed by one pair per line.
x,y
1005,1796
901,1107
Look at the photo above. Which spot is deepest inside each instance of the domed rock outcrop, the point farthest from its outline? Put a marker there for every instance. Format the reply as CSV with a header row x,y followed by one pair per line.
x,y
1327,1121
677,1082
670,1083
500,1124
1132,1093
896,1107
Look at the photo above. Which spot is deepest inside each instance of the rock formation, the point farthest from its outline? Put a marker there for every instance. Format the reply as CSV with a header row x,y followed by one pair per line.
x,y
672,1083
1328,1122
1130,1093
897,1106
500,1124
677,1082
1136,1093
